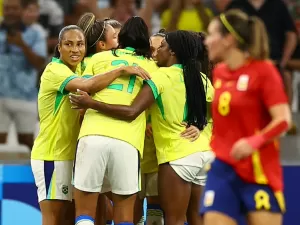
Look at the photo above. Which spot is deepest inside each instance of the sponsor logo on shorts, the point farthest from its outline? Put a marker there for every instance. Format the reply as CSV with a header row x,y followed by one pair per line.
x,y
65,189
209,197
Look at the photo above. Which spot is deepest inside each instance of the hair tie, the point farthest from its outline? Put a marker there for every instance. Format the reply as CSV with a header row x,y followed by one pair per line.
x,y
100,34
230,28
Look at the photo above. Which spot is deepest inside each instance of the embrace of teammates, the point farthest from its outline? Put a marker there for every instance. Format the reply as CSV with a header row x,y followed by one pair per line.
x,y
125,116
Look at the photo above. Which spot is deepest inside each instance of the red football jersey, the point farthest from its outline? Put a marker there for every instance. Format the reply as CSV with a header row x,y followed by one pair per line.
x,y
240,109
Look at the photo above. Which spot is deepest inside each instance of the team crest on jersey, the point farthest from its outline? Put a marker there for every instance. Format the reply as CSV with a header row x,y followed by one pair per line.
x,y
242,84
65,189
209,198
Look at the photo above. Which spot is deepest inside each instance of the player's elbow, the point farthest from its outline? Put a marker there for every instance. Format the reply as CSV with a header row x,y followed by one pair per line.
x,y
132,114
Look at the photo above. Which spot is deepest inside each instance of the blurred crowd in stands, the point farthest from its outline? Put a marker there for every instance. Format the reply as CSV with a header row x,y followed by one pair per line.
x,y
29,31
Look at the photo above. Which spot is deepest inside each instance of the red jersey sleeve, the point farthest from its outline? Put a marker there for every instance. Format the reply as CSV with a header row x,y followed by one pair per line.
x,y
271,86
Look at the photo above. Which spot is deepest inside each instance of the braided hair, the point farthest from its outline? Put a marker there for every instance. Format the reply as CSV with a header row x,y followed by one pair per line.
x,y
187,49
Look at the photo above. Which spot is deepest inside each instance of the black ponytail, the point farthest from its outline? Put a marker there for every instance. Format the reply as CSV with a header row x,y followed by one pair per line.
x,y
187,49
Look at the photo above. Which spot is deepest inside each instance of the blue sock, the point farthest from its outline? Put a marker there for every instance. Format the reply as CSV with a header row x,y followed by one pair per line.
x,y
108,222
125,223
84,220
186,223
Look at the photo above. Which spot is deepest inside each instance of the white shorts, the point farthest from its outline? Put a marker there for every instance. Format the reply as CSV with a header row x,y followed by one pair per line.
x,y
192,168
149,185
22,113
106,164
53,179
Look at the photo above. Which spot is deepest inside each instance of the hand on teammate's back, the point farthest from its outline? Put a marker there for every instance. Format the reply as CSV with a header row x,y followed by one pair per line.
x,y
191,132
80,100
138,71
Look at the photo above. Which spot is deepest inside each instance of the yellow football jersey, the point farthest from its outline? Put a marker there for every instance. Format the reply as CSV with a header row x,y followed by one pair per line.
x,y
59,124
122,91
168,113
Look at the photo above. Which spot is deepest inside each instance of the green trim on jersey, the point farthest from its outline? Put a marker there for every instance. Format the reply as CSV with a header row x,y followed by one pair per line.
x,y
157,97
178,66
87,76
62,92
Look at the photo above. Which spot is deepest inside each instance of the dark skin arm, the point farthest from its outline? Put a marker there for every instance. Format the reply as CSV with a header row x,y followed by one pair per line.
x,y
142,102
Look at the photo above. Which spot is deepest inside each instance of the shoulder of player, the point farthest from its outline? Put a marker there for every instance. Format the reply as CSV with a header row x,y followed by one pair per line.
x,y
264,67
101,56
56,68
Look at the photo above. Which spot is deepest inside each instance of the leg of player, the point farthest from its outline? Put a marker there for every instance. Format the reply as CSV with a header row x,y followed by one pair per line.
x,y
53,211
175,200
139,210
53,180
193,217
101,210
90,166
264,217
85,204
69,217
109,209
124,178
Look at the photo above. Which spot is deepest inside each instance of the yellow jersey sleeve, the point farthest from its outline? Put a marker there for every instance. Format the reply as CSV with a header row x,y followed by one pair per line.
x,y
158,82
57,76
97,64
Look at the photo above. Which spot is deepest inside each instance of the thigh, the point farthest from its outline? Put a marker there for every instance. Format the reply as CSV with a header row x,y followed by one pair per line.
x,y
123,168
25,115
53,179
174,194
193,217
91,161
257,197
264,218
5,120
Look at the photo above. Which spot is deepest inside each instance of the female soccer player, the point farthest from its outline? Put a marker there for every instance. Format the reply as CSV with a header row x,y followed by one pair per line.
x,y
54,148
177,89
107,144
250,110
100,36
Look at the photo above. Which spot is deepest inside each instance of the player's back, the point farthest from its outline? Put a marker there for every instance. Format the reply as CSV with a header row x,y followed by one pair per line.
x,y
59,123
122,91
